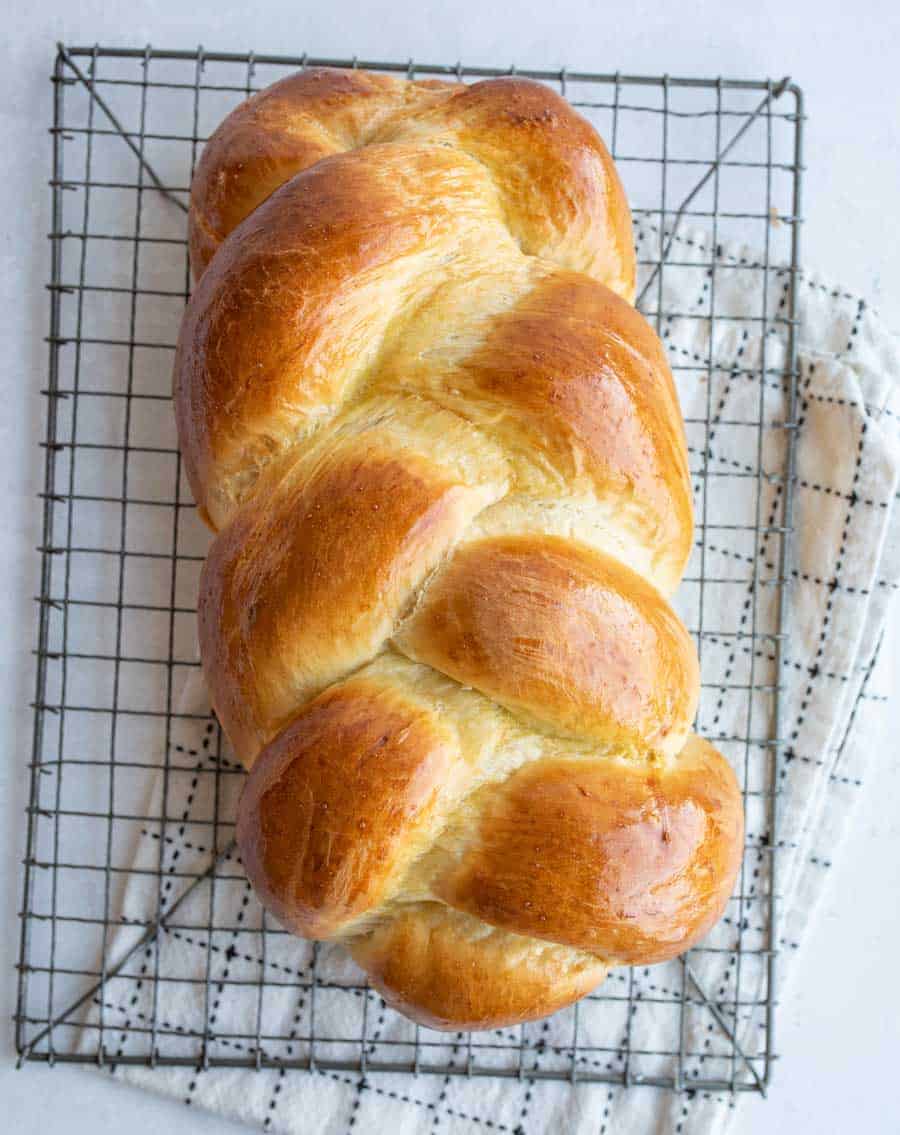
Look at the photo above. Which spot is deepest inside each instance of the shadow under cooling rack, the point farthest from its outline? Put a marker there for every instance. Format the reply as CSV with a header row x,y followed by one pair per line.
x,y
131,950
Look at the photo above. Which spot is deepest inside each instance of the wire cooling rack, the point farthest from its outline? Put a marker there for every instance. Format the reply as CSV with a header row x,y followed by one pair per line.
x,y
122,548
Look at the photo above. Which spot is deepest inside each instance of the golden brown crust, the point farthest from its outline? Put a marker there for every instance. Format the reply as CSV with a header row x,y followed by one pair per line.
x,y
561,193
564,635
632,863
448,971
447,465
326,817
351,531
571,381
303,588
594,390
283,129
294,307
564,197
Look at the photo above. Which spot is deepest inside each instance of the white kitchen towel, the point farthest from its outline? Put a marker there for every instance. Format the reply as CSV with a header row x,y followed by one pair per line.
x,y
846,565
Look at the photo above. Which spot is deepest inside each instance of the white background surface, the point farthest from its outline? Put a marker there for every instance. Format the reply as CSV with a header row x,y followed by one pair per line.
x,y
839,1025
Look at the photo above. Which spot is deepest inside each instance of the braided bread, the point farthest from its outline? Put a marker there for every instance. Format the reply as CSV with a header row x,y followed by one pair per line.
x,y
446,464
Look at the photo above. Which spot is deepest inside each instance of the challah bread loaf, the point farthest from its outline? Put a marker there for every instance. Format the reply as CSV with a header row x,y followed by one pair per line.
x,y
446,464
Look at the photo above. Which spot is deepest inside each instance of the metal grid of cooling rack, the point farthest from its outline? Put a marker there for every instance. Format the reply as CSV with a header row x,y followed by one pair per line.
x,y
121,548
